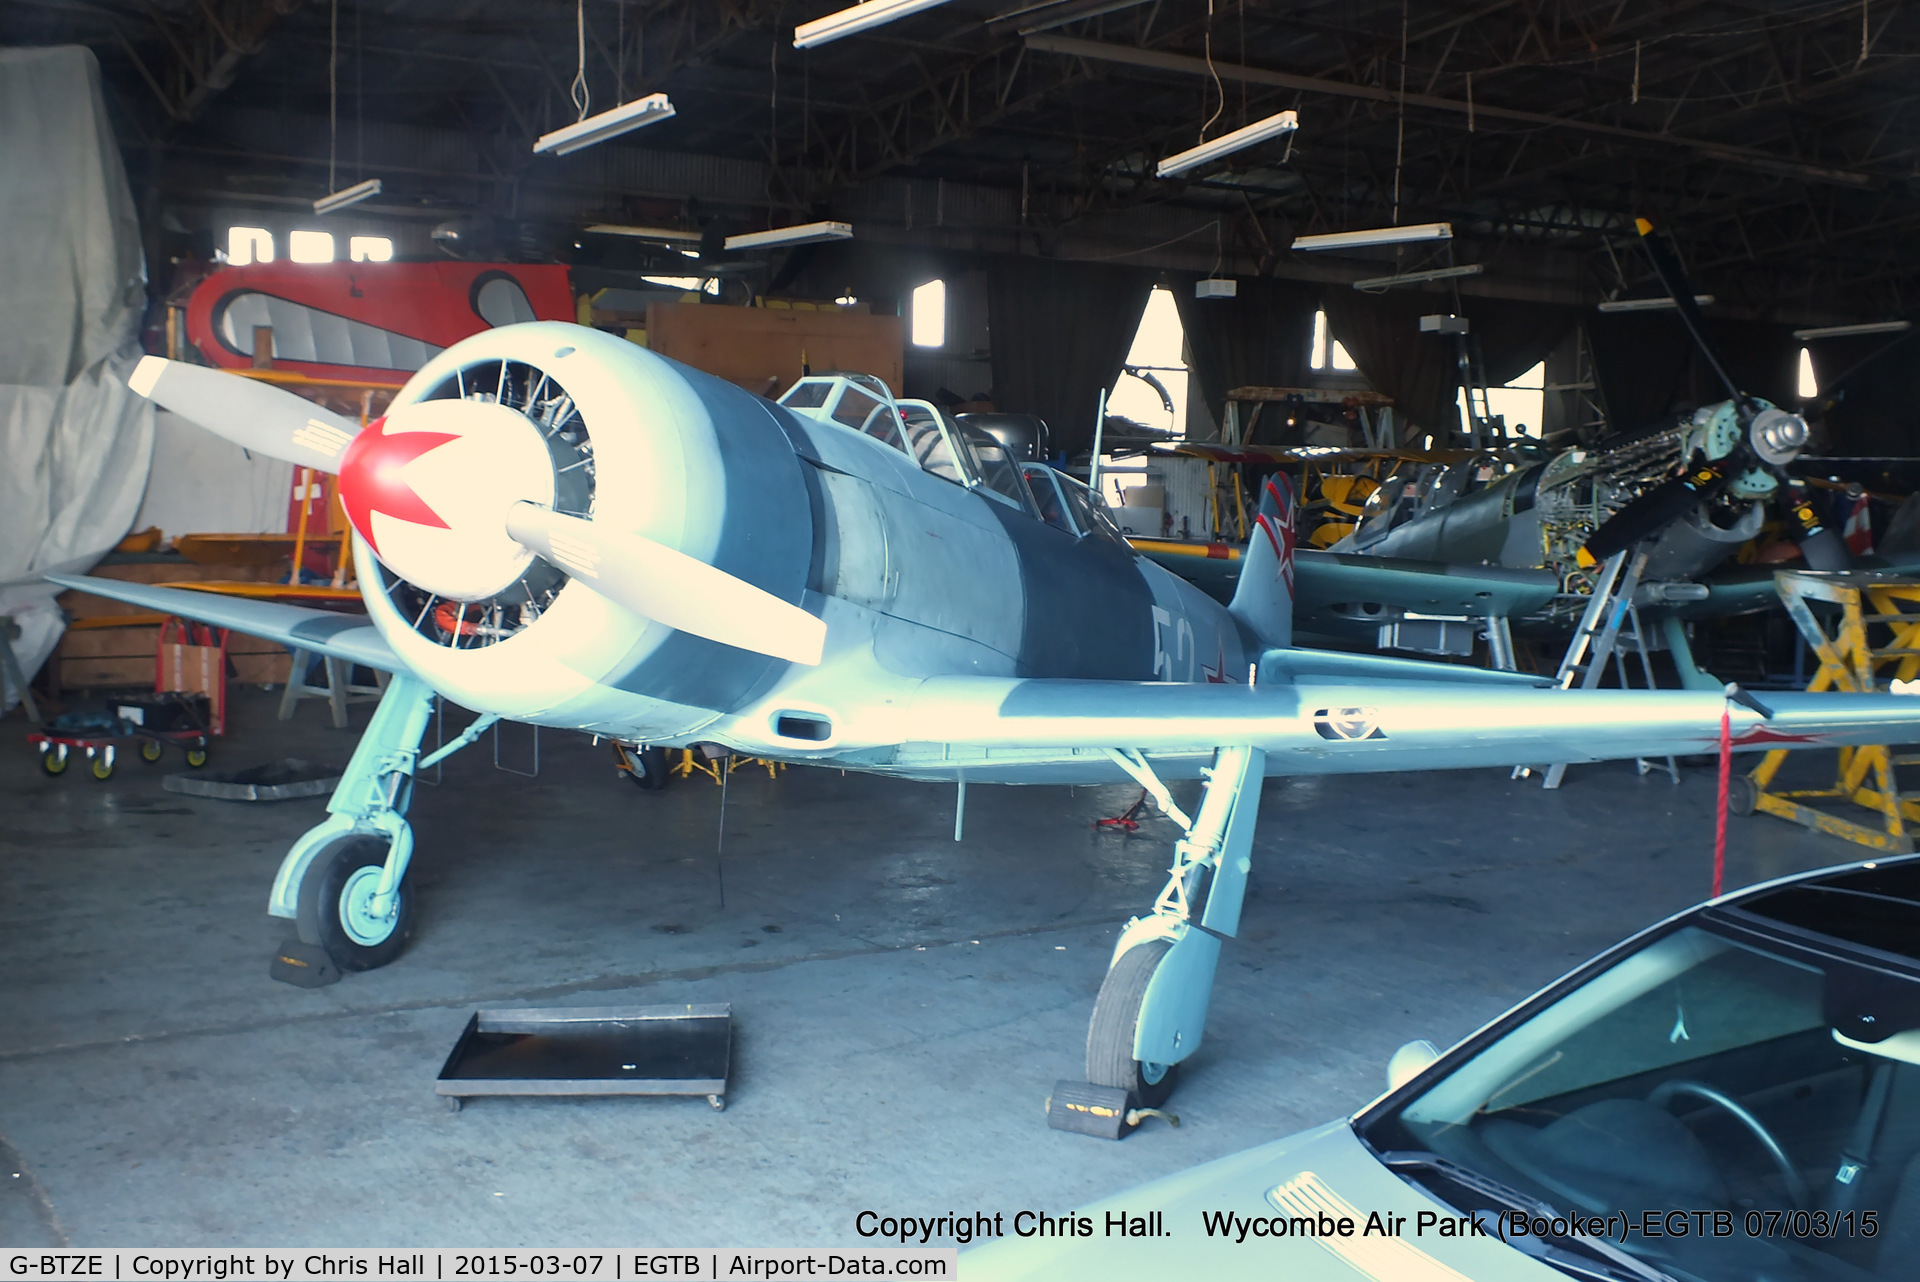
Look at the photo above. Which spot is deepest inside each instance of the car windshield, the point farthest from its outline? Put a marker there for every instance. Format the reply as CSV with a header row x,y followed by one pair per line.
x,y
1703,1073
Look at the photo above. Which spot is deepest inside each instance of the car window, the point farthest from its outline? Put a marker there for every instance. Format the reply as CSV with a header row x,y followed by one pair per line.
x,y
1046,495
928,444
997,473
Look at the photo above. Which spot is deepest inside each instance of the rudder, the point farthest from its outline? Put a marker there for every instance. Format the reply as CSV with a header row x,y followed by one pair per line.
x,y
1263,601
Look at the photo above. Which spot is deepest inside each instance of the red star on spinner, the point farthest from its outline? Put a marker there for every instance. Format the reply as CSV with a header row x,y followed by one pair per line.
x,y
370,478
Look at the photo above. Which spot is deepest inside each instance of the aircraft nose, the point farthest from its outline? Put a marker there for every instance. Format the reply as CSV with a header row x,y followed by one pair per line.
x,y
1777,435
429,486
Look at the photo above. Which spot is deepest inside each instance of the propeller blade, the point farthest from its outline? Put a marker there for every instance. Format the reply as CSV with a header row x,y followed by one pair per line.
x,y
1826,550
253,415
1674,280
669,586
1822,547
1652,512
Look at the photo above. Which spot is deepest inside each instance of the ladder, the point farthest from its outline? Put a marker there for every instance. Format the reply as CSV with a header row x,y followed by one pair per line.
x,y
1607,626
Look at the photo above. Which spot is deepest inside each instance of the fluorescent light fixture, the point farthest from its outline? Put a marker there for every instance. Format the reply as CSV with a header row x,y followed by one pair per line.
x,y
347,196
1650,304
644,233
1420,277
1259,131
804,234
650,110
1375,236
1849,331
1216,287
847,22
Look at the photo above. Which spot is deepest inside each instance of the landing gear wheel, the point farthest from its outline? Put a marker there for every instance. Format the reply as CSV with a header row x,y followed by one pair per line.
x,y
54,759
1743,795
647,767
1116,1012
150,750
335,909
197,755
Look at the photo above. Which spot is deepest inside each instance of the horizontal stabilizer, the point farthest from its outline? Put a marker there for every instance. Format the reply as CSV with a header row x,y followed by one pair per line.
x,y
338,636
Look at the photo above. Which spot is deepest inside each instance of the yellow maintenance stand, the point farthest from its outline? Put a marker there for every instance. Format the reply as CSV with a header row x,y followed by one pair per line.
x,y
1849,662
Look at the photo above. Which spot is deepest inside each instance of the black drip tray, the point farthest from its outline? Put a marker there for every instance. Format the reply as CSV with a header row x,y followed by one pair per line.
x,y
593,1050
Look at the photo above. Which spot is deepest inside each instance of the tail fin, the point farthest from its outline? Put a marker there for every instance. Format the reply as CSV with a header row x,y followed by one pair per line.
x,y
1263,603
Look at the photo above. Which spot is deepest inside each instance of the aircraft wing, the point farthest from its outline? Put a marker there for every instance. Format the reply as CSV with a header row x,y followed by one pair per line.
x,y
1749,588
1312,727
1321,579
338,636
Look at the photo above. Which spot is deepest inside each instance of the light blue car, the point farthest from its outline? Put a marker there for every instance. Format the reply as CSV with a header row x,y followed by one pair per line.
x,y
1730,1096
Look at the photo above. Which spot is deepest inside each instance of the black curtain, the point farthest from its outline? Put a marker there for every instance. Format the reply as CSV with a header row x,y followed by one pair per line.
x,y
1060,332
1649,368
1873,382
1421,372
1261,337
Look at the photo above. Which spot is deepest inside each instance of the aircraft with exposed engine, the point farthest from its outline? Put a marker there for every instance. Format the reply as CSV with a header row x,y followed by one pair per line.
x,y
1445,548
555,526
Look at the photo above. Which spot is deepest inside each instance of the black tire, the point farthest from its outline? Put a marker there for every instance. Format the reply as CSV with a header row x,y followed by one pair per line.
x,y
647,767
1116,1011
1743,795
336,870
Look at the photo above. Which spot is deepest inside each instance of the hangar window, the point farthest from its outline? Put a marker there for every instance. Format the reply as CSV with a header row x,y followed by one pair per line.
x,y
1809,382
370,249
1522,402
1327,350
1156,367
928,319
310,246
249,245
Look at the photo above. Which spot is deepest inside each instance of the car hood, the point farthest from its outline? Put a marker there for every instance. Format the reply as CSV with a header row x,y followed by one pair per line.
x,y
1326,1167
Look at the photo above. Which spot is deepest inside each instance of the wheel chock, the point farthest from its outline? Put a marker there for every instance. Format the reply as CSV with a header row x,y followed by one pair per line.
x,y
1104,1112
303,965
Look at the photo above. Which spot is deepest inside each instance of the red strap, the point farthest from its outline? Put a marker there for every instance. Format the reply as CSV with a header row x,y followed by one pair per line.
x,y
1125,819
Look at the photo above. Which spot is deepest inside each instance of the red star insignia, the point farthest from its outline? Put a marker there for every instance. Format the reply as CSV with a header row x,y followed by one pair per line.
x,y
1766,734
370,478
1279,528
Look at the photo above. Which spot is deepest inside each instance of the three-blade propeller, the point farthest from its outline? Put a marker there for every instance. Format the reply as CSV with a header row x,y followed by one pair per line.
x,y
1768,439
644,576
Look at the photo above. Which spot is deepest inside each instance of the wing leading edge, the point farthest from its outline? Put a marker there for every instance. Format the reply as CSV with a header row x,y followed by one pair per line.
x,y
338,636
1316,727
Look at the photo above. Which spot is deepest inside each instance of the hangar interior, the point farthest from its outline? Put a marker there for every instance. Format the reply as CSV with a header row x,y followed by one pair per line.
x,y
989,205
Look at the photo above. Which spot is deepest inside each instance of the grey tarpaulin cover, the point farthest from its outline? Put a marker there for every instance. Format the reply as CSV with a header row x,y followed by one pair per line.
x,y
74,442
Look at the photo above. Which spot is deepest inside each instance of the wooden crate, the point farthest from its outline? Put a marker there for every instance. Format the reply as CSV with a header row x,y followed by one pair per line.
x,y
761,348
97,657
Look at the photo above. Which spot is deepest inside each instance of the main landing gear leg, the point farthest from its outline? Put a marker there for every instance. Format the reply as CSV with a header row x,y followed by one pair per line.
x,y
344,883
1152,1007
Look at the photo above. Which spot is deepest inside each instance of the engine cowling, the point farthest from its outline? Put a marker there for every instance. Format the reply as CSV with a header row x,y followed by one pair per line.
x,y
595,427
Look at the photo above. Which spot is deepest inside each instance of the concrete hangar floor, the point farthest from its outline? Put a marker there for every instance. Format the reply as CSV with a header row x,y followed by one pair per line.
x,y
902,1004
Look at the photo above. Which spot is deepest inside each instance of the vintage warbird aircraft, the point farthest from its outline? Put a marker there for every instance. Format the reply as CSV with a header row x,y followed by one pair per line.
x,y
1491,536
558,527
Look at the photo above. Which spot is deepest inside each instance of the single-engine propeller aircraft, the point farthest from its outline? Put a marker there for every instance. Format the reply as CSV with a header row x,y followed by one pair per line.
x,y
1480,539
558,527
